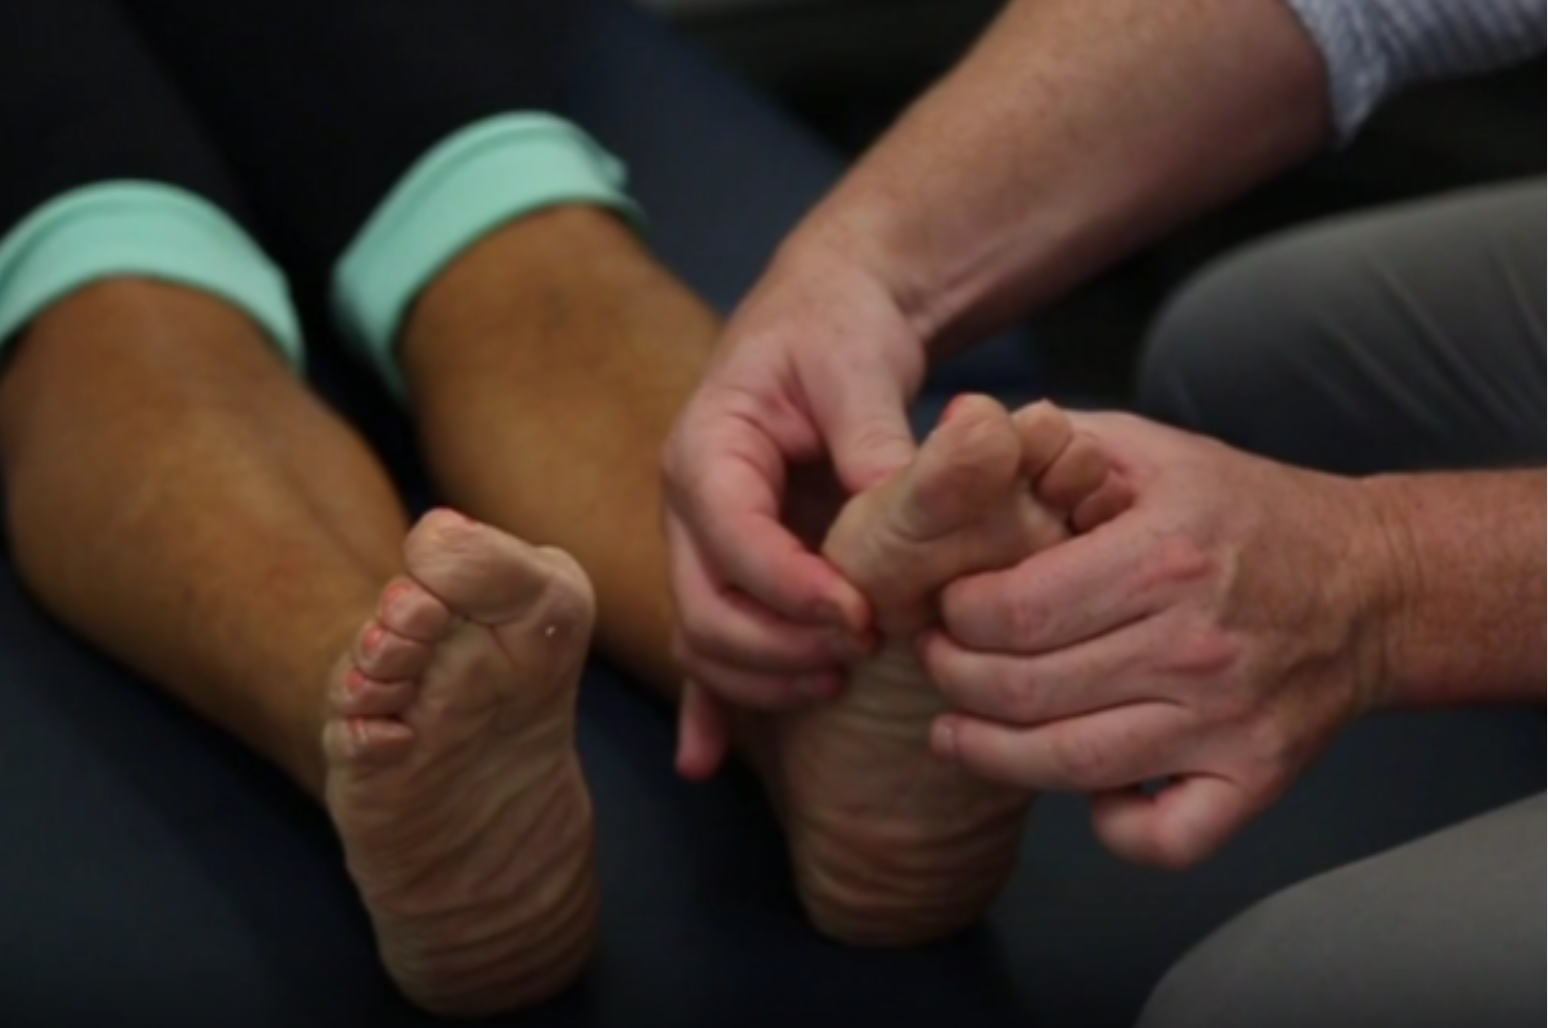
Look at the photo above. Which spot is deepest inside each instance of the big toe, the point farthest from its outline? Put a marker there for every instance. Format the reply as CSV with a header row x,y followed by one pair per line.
x,y
964,505
491,578
971,462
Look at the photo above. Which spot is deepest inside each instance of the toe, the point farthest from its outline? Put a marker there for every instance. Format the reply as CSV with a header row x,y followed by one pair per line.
x,y
492,578
409,611
970,462
1045,433
383,654
359,695
1076,475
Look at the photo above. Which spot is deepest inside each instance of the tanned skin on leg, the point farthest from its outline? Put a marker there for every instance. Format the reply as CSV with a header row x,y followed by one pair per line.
x,y
179,498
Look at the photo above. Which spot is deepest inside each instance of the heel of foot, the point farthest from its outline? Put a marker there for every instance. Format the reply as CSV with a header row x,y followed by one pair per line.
x,y
870,901
462,806
503,974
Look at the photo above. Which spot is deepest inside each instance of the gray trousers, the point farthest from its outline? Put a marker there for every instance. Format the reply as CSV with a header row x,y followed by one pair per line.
x,y
1404,340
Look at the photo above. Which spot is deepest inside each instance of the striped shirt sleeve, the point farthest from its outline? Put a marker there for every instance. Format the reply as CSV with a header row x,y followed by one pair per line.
x,y
1373,48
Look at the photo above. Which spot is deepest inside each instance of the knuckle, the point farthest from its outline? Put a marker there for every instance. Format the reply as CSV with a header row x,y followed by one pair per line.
x,y
1202,651
1178,562
873,434
1231,710
1023,618
1013,695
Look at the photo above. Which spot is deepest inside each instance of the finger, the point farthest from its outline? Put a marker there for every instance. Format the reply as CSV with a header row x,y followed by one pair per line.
x,y
1109,750
703,733
1112,499
1088,586
1177,828
1045,433
1116,669
728,514
760,691
866,427
1076,475
731,628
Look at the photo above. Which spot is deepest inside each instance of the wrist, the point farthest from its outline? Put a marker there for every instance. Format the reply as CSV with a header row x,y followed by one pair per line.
x,y
848,282
1463,585
867,232
1386,563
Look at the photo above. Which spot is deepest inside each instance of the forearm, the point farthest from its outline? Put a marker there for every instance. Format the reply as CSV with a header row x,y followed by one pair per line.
x,y
1465,572
1076,131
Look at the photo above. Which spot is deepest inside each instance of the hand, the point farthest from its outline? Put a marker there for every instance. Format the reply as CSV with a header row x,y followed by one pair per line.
x,y
1217,634
816,372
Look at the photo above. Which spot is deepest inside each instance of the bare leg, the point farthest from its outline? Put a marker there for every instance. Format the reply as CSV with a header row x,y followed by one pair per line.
x,y
547,366
178,497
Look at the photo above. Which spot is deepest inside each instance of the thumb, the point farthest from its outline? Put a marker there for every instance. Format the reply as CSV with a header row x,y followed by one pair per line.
x,y
1177,828
867,431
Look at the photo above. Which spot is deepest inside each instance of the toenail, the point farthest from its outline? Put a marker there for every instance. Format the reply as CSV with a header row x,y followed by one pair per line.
x,y
355,680
373,640
358,731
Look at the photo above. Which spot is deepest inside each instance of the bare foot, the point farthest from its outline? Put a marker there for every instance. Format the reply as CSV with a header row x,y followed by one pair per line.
x,y
892,846
452,774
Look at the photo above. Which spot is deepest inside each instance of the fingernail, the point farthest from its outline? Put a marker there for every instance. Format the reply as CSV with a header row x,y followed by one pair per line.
x,y
953,409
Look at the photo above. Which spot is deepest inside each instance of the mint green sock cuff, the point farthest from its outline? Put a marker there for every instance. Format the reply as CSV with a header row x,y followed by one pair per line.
x,y
140,229
477,180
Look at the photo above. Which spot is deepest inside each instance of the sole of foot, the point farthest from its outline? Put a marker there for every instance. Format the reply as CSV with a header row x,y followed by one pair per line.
x,y
891,845
452,774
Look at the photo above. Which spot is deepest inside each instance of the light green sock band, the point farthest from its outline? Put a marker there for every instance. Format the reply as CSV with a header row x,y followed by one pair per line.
x,y
146,230
477,180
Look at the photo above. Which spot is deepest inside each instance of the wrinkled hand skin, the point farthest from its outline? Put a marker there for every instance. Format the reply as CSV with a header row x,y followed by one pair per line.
x,y
816,371
1218,635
